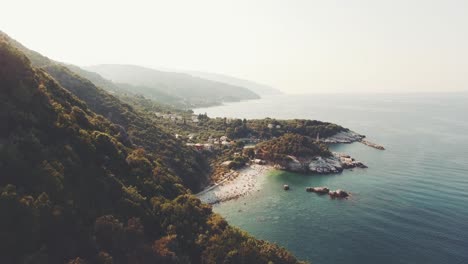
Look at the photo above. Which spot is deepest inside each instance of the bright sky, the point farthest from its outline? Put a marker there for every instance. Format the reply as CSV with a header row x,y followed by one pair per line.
x,y
306,46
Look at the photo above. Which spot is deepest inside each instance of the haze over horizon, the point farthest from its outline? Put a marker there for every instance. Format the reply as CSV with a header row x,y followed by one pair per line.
x,y
295,46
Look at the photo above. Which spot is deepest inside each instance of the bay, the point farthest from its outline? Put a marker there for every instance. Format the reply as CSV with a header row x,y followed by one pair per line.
x,y
409,206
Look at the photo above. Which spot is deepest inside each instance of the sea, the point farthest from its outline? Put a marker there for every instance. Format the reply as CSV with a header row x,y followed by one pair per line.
x,y
409,206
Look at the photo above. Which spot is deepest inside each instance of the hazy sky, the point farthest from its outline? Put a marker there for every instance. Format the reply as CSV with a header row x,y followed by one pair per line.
x,y
297,46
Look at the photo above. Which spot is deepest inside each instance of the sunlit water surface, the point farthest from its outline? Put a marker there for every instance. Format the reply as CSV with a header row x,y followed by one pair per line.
x,y
409,206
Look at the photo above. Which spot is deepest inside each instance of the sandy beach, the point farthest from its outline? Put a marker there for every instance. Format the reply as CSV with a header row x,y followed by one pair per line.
x,y
237,184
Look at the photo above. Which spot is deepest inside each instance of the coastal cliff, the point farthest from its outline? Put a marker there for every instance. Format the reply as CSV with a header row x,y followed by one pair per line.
x,y
297,153
343,137
320,165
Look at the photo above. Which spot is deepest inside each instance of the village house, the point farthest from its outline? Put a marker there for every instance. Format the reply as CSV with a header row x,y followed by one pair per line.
x,y
259,161
226,143
208,146
199,146
195,119
227,163
196,146
229,120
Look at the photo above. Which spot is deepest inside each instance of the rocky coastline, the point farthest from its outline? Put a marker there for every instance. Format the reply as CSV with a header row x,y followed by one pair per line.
x,y
343,137
238,183
346,137
320,165
372,145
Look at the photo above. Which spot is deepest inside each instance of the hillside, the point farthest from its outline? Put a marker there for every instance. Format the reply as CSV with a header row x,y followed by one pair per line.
x,y
129,93
278,149
195,91
260,89
187,164
74,189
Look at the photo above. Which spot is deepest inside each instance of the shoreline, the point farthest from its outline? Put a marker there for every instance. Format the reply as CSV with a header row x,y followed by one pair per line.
x,y
236,185
239,183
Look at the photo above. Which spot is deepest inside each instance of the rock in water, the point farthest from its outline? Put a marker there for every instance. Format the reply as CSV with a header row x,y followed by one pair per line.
x,y
347,162
319,190
338,194
285,187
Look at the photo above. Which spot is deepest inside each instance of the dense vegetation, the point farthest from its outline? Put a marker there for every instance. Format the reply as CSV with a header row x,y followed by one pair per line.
x,y
278,149
135,129
263,129
78,187
239,130
310,128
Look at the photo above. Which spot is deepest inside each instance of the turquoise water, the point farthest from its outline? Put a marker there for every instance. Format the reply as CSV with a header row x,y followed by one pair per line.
x,y
409,206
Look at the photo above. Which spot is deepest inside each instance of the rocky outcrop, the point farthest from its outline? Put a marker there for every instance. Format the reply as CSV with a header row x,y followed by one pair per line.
x,y
324,190
334,163
295,165
320,165
323,165
347,162
319,190
350,137
372,145
338,194
343,137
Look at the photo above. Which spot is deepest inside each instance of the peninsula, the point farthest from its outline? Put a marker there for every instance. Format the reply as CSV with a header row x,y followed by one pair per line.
x,y
240,161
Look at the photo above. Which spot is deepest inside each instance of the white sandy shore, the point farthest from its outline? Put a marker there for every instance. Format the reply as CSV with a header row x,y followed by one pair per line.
x,y
237,184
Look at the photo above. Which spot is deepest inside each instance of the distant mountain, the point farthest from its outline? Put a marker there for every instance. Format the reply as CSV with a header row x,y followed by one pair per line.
x,y
128,91
258,88
194,90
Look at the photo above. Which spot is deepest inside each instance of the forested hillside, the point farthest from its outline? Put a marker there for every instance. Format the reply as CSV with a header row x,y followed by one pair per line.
x,y
278,149
127,92
194,90
187,164
77,187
